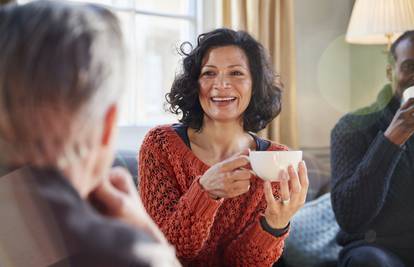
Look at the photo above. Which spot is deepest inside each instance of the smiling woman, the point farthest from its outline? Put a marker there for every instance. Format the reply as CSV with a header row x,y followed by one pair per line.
x,y
225,84
252,60
196,182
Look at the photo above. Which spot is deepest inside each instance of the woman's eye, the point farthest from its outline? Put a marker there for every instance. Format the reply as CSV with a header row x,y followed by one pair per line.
x,y
208,73
236,73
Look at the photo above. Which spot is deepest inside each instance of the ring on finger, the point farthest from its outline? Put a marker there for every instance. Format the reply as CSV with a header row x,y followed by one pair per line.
x,y
285,201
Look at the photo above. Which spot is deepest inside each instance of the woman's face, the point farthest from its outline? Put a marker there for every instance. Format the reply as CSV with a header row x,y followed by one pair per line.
x,y
225,83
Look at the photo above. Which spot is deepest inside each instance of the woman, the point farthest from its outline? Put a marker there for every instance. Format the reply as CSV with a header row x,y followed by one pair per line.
x,y
60,72
195,179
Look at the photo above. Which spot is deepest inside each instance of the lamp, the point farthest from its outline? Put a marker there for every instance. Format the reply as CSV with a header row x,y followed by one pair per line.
x,y
379,21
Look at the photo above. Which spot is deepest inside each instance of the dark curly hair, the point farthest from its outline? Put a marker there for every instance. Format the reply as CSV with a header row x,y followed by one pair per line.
x,y
265,103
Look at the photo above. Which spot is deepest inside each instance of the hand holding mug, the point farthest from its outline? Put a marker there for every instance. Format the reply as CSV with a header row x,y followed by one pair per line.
x,y
228,178
293,191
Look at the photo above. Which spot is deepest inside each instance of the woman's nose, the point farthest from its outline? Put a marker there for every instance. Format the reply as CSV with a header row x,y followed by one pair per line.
x,y
222,82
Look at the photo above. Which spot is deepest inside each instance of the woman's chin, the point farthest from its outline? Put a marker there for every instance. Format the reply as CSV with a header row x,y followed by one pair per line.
x,y
225,118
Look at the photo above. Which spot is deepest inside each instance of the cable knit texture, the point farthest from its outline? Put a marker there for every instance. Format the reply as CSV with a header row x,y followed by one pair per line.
x,y
205,232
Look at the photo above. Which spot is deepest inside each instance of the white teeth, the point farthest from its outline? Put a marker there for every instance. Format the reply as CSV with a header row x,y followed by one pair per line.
x,y
223,98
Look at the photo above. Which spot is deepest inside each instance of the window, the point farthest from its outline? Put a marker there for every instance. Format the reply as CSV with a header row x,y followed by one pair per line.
x,y
153,31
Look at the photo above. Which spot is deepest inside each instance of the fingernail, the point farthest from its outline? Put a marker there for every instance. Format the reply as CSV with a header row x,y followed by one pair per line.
x,y
304,163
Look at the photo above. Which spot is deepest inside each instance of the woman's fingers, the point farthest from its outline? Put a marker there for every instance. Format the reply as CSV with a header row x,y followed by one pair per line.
x,y
295,185
292,194
284,187
230,184
268,192
303,174
234,163
244,152
241,184
237,182
240,187
239,175
304,181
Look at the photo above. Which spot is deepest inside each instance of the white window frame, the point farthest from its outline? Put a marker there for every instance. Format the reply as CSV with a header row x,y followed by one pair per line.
x,y
207,17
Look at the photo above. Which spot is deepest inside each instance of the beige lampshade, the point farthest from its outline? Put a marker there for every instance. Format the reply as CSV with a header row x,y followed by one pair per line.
x,y
372,20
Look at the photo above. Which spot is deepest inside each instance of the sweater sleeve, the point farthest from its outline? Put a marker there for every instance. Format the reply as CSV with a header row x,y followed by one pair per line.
x,y
184,218
361,173
255,247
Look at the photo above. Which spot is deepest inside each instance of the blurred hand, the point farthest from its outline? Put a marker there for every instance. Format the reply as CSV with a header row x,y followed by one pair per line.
x,y
228,178
402,125
117,197
293,191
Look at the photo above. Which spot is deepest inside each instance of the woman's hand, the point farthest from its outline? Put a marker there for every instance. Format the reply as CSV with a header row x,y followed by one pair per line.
x,y
118,198
228,178
292,196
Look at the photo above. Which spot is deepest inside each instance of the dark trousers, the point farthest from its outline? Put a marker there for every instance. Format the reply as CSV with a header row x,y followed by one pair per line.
x,y
364,255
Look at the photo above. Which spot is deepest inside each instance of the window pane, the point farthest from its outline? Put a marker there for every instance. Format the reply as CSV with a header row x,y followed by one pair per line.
x,y
182,7
153,62
129,110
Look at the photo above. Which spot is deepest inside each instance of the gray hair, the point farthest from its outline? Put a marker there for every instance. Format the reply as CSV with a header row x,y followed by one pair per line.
x,y
60,64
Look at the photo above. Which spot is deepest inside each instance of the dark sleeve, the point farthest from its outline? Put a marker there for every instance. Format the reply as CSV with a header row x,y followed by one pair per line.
x,y
273,231
362,168
91,239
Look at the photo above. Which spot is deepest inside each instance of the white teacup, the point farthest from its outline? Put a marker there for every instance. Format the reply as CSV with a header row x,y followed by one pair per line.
x,y
408,93
268,164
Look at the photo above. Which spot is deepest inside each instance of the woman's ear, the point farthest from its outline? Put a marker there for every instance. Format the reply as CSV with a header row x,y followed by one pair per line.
x,y
109,126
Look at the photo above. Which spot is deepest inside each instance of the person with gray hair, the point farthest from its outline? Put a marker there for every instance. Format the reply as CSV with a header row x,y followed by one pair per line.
x,y
61,73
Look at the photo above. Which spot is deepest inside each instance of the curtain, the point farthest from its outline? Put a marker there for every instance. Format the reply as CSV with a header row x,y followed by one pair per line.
x,y
271,23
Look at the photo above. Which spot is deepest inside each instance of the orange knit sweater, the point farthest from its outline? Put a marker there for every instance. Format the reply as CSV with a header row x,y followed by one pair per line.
x,y
205,232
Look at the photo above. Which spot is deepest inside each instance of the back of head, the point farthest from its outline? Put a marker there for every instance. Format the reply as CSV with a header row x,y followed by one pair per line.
x,y
60,69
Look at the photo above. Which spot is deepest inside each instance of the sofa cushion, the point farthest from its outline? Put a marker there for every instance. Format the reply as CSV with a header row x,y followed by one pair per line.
x,y
312,239
128,160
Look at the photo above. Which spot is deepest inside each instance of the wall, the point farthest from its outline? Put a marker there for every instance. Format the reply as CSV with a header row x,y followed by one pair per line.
x,y
368,72
333,77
